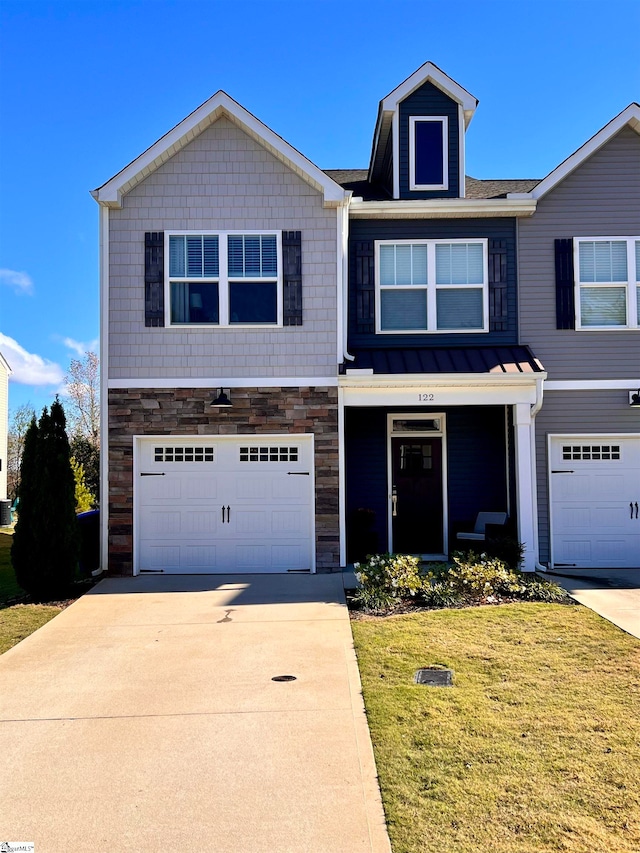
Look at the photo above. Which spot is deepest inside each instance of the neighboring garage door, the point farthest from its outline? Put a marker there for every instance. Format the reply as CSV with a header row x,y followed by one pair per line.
x,y
224,504
595,496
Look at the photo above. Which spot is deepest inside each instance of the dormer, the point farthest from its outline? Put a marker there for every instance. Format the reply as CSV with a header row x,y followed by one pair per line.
x,y
418,144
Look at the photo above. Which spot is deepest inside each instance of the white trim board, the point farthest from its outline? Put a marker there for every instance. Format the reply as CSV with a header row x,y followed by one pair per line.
x,y
592,384
217,382
441,208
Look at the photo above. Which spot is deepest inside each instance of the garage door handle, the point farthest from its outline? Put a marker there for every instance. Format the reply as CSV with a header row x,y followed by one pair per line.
x,y
151,474
228,510
631,506
562,472
298,473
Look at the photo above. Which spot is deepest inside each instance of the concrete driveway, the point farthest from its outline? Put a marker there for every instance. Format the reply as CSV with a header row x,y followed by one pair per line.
x,y
144,717
613,593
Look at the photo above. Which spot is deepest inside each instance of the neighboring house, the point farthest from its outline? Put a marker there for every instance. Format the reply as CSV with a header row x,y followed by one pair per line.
x,y
366,327
5,370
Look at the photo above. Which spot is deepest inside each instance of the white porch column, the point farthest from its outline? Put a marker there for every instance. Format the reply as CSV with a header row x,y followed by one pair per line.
x,y
525,484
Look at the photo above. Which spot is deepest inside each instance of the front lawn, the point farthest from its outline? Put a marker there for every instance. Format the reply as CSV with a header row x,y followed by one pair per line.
x,y
19,621
536,746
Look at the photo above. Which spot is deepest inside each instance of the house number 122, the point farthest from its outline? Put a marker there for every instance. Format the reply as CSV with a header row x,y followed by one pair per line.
x,y
425,398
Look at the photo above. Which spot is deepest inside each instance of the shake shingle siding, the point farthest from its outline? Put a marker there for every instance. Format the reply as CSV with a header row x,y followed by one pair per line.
x,y
601,198
223,180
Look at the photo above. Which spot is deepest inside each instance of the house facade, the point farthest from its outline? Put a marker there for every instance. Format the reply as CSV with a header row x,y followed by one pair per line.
x,y
300,366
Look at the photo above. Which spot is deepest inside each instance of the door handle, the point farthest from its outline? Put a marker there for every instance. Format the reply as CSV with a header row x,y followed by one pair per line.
x,y
228,514
223,514
394,503
228,511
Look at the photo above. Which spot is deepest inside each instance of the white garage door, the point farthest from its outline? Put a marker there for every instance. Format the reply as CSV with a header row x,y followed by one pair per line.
x,y
595,498
224,505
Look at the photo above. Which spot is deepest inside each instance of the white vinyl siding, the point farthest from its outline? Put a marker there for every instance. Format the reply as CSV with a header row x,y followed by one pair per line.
x,y
224,279
431,286
607,274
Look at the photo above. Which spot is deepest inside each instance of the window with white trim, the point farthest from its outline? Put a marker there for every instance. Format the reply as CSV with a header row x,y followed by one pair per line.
x,y
431,286
224,279
607,273
428,153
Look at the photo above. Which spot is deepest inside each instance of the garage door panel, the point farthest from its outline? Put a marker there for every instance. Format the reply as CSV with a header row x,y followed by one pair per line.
x,y
199,487
160,489
199,522
198,558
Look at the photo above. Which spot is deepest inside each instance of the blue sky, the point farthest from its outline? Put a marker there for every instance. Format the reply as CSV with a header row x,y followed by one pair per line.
x,y
87,86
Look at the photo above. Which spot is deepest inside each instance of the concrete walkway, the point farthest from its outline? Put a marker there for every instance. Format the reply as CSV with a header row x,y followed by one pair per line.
x,y
612,593
144,717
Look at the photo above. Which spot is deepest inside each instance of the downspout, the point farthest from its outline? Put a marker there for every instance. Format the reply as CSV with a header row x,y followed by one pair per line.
x,y
344,275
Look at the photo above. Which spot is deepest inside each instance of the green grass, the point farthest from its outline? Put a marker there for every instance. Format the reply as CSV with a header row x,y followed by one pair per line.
x,y
19,621
8,584
534,748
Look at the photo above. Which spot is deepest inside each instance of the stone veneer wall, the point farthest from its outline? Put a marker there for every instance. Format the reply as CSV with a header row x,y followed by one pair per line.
x,y
256,411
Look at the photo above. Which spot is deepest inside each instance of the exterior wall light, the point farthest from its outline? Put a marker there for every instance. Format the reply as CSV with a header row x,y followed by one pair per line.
x,y
634,399
222,401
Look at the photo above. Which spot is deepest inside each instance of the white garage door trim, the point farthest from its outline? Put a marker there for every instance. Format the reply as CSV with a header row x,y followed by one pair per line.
x,y
604,450
142,443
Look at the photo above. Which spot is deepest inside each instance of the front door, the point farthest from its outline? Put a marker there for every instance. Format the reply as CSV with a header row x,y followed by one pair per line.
x,y
416,495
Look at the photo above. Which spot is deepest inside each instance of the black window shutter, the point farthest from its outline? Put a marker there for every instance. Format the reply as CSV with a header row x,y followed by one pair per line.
x,y
292,278
365,286
154,278
565,294
498,307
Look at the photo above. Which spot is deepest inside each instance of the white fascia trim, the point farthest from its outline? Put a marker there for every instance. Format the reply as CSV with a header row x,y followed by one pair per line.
x,y
219,382
5,363
104,384
441,208
430,73
395,141
220,104
457,380
630,115
462,190
592,384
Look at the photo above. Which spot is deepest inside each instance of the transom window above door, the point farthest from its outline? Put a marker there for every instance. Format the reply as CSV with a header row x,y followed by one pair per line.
x,y
607,282
224,279
431,286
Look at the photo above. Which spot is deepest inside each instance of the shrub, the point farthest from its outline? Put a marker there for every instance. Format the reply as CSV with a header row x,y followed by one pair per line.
x,y
439,594
44,551
507,549
540,589
481,576
386,578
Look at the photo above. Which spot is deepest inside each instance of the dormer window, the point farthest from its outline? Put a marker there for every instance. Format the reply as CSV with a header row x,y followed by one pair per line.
x,y
428,158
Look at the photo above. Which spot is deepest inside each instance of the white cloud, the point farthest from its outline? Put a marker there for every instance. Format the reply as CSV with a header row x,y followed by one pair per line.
x,y
19,281
28,368
81,348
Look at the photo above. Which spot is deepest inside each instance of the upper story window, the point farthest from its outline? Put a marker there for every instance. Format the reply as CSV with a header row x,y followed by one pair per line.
x,y
607,283
428,157
431,286
225,279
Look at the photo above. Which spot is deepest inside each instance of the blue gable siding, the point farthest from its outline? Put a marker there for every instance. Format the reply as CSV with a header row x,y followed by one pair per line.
x,y
428,100
393,229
